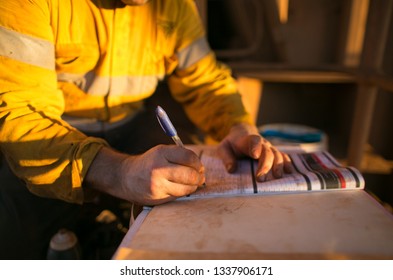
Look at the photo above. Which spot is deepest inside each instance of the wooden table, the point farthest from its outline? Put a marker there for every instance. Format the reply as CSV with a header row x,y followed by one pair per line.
x,y
340,224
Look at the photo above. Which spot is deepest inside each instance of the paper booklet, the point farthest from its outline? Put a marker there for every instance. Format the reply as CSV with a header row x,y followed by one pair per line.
x,y
315,171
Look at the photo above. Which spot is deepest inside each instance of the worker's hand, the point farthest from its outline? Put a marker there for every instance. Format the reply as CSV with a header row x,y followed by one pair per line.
x,y
245,140
161,174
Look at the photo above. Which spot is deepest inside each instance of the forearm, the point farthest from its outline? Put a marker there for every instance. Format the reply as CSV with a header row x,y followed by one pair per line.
x,y
105,172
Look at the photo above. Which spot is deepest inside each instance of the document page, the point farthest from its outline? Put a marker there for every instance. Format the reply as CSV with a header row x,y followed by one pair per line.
x,y
218,181
312,172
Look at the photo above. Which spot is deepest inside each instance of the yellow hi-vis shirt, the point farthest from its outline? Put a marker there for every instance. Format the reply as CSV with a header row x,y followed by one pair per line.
x,y
98,59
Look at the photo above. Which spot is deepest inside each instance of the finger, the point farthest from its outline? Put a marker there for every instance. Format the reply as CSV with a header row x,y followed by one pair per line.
x,y
184,175
167,189
265,163
180,190
254,143
250,145
156,201
288,167
183,156
270,176
227,156
175,189
278,163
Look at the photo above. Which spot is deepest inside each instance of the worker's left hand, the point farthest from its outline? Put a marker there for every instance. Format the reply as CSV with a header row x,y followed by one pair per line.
x,y
245,140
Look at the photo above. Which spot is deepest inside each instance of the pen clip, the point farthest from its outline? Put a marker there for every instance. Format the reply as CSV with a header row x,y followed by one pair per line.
x,y
165,122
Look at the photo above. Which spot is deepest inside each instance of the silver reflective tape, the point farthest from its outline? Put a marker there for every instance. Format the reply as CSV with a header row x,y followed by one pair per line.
x,y
133,85
115,86
77,79
193,53
27,49
99,86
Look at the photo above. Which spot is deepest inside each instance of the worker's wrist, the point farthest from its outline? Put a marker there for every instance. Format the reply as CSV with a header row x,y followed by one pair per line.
x,y
245,127
105,172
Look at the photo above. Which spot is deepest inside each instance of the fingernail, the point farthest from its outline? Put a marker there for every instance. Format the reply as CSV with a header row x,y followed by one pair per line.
x,y
255,148
202,180
229,167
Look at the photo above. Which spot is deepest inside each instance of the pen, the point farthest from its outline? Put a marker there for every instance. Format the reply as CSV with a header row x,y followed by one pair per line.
x,y
169,129
167,126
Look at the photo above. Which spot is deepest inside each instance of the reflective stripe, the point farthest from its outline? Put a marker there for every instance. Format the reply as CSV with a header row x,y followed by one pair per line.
x,y
194,52
91,125
134,84
27,49
77,79
115,86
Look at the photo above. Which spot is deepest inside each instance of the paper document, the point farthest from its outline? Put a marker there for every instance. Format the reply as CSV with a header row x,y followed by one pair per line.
x,y
312,172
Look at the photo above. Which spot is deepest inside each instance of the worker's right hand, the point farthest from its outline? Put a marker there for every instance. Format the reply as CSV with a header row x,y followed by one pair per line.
x,y
161,174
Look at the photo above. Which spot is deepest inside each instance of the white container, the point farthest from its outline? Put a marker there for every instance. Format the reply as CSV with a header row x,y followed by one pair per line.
x,y
295,137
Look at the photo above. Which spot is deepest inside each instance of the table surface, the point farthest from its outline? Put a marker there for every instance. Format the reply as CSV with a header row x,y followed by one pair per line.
x,y
340,224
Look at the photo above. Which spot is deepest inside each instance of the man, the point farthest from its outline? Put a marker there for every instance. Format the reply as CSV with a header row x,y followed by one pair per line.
x,y
67,62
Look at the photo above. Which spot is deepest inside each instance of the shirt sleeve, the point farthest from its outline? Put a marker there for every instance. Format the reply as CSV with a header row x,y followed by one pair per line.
x,y
41,149
202,84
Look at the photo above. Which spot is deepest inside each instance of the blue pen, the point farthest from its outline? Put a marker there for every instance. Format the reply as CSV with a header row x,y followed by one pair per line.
x,y
169,129
167,126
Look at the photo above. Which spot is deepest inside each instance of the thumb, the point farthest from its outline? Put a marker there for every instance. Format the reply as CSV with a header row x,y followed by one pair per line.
x,y
251,146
